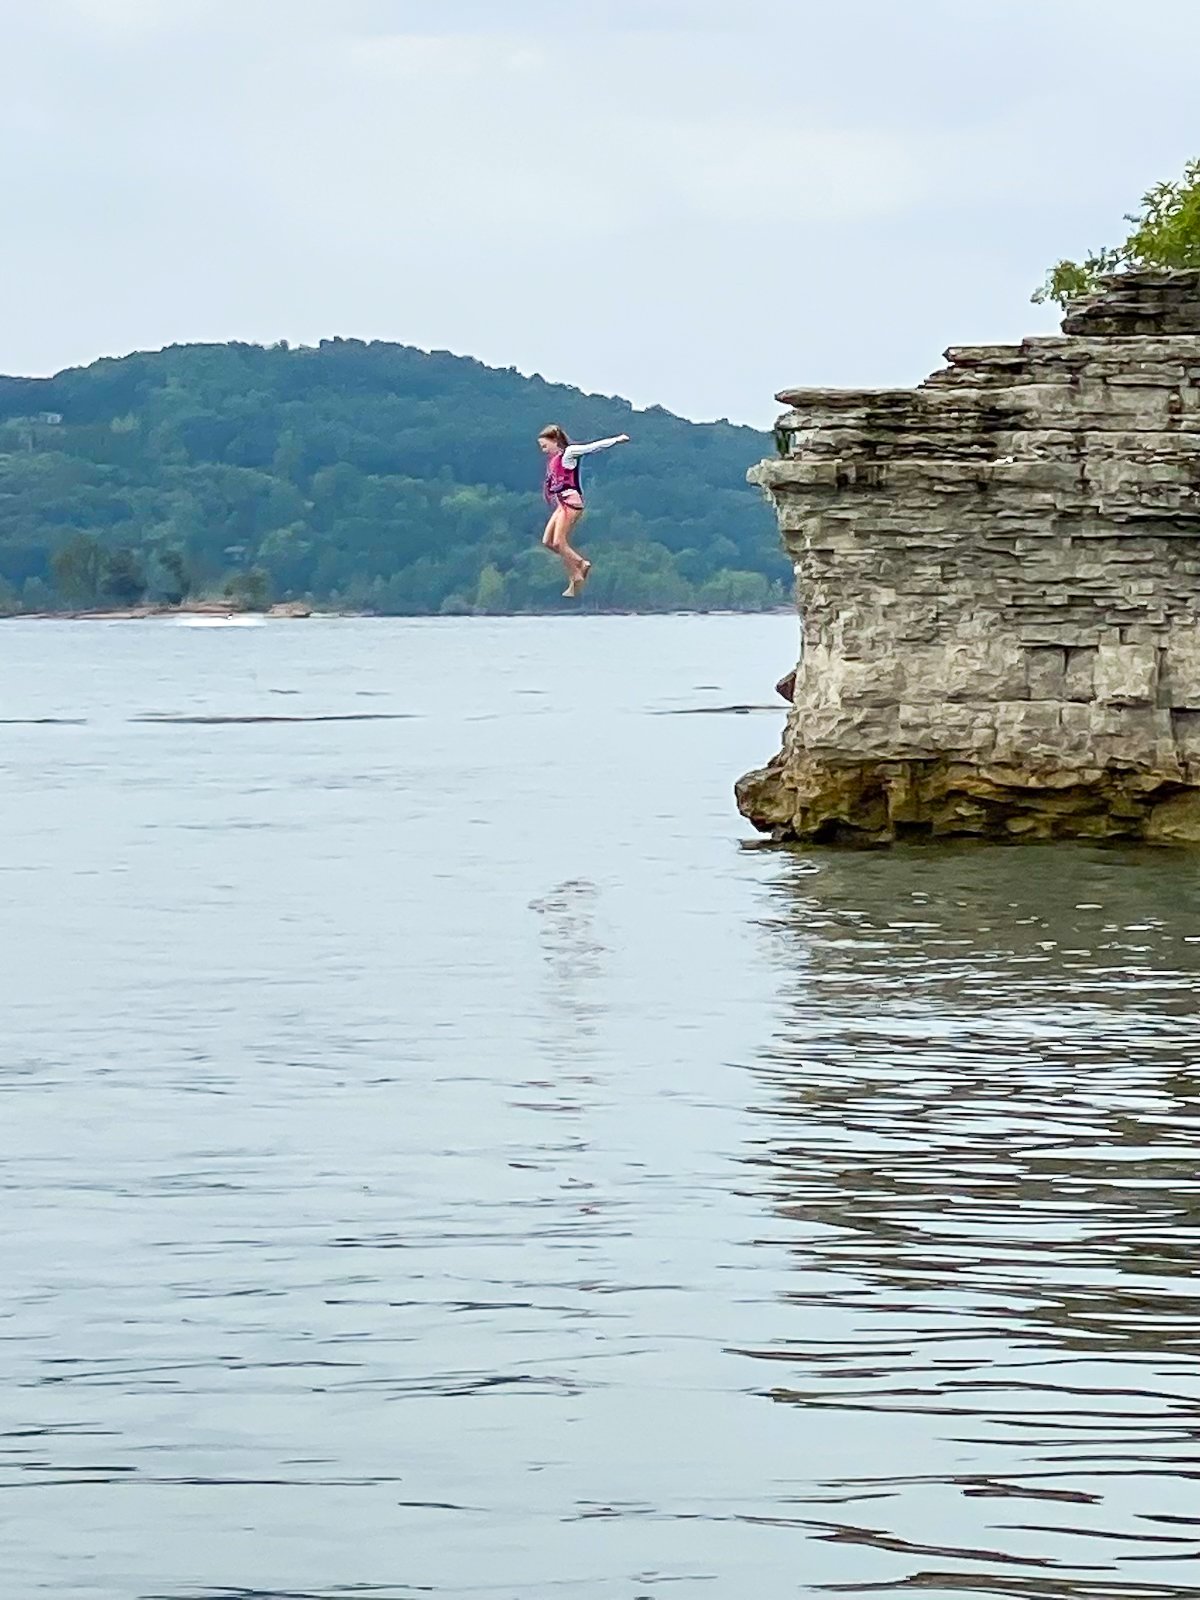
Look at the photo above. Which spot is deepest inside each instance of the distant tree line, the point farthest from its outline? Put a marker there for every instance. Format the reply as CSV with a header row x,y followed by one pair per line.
x,y
361,476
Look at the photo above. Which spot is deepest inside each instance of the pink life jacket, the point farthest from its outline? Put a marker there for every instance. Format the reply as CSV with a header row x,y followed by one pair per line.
x,y
559,479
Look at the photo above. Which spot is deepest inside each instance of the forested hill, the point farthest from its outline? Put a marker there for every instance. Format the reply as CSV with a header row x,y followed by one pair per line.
x,y
366,476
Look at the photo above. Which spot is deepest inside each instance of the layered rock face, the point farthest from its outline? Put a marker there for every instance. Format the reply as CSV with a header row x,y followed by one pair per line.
x,y
999,580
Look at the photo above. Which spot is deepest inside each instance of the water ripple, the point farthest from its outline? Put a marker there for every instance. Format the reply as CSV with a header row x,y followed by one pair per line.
x,y
985,1175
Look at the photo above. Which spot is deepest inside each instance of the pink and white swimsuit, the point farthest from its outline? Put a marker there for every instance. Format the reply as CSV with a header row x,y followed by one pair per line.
x,y
562,471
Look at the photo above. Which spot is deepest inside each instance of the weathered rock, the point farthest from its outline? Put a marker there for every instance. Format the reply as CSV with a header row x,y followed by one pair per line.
x,y
1176,820
999,577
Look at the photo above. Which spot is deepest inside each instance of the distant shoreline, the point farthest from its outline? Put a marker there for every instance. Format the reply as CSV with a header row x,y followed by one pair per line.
x,y
295,611
196,608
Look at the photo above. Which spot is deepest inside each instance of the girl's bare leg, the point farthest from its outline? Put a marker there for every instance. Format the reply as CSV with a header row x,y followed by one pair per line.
x,y
571,516
557,537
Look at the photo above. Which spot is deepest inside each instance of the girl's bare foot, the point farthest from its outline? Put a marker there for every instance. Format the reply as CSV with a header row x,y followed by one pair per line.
x,y
578,579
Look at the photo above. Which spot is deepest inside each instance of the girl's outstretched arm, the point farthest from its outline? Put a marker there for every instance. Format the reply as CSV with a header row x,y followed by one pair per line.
x,y
573,452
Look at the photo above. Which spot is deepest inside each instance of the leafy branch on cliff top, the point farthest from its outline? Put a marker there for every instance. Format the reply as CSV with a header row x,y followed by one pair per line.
x,y
1165,232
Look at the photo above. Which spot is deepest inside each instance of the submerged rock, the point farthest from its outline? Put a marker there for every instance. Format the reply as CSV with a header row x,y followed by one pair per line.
x,y
999,579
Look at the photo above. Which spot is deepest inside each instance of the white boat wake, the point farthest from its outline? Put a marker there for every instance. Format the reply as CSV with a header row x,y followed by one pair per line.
x,y
218,622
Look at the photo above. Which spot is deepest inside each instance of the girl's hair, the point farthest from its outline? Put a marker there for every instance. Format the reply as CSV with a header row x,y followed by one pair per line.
x,y
556,433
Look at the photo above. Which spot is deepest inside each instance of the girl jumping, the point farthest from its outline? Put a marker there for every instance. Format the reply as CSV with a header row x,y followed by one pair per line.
x,y
564,497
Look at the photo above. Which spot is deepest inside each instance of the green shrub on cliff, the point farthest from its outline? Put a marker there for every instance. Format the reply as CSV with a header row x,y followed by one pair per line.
x,y
370,476
1164,233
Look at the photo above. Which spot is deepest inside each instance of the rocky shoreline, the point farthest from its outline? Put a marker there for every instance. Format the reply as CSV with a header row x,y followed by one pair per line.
x,y
196,608
998,575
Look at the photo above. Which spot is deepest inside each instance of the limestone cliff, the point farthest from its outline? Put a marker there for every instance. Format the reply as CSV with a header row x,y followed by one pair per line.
x,y
999,578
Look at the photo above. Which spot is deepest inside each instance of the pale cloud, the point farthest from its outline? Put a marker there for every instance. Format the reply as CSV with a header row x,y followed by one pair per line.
x,y
747,170
438,61
123,19
442,60
123,15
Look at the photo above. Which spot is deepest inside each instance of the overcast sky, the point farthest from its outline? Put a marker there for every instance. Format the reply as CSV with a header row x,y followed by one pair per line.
x,y
687,202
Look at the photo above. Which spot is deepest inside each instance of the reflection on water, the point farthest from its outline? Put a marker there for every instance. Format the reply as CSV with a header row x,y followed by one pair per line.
x,y
978,1135
438,1161
571,957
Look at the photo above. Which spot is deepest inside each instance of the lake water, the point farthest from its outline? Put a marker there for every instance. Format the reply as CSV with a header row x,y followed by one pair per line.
x,y
441,1158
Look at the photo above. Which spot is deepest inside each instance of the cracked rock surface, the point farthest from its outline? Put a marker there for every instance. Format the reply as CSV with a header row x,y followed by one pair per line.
x,y
999,579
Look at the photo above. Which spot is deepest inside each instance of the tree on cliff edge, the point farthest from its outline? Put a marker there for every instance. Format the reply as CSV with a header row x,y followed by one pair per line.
x,y
1164,233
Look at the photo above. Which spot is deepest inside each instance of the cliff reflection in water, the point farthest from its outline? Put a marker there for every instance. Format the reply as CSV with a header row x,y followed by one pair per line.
x,y
977,1137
